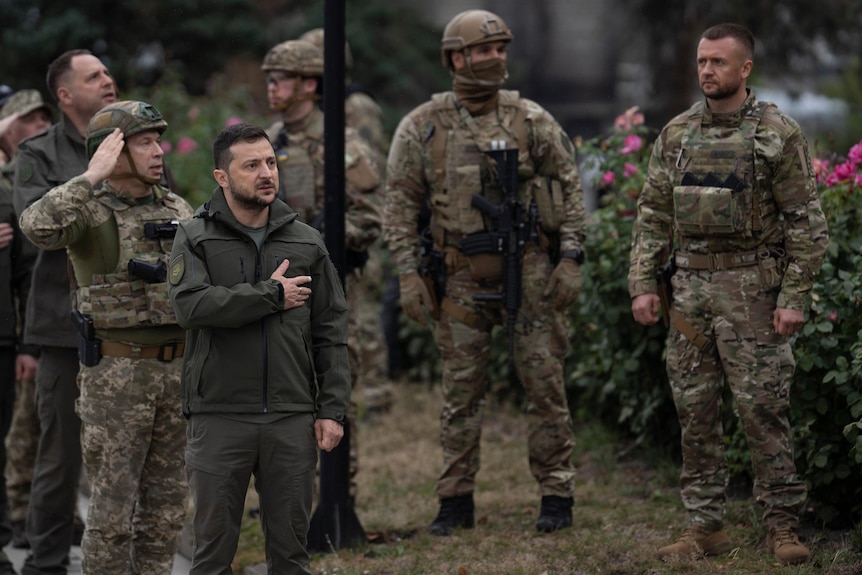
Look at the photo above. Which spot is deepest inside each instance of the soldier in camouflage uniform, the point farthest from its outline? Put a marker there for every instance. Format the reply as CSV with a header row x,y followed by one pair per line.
x,y
24,115
132,435
363,114
294,71
731,185
436,158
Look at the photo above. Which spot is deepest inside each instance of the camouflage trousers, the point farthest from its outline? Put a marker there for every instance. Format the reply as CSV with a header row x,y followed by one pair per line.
x,y
22,444
735,308
540,346
133,440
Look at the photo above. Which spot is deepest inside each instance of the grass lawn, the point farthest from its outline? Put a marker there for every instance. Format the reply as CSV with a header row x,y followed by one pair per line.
x,y
624,510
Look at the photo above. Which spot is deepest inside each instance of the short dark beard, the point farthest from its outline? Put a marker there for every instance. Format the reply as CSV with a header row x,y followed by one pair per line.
x,y
249,202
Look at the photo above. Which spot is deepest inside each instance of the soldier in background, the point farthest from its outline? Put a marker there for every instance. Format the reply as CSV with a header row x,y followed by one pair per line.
x,y
294,71
731,185
24,115
118,237
363,114
81,85
436,160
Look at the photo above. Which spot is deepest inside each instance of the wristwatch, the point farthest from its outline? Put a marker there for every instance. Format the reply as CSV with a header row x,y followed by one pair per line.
x,y
577,255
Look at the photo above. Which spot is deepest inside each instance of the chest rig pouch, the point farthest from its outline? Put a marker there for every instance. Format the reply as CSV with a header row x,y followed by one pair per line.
x,y
461,168
296,174
118,299
715,196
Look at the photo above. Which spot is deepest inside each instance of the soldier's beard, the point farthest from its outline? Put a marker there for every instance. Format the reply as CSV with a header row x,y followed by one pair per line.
x,y
477,85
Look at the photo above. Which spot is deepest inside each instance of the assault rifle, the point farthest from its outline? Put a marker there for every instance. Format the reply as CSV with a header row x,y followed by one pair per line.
x,y
515,226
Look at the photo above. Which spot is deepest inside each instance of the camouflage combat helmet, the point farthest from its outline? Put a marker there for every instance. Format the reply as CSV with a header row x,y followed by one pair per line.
x,y
297,56
315,36
471,28
130,117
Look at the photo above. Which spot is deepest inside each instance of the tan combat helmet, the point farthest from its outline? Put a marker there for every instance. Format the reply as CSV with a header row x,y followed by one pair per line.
x,y
471,28
315,36
131,117
295,56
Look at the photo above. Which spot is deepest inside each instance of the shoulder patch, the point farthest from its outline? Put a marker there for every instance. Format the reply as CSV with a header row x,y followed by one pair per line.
x,y
25,172
178,268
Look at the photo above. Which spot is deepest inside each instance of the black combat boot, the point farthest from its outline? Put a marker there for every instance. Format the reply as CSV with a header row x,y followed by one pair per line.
x,y
455,512
556,513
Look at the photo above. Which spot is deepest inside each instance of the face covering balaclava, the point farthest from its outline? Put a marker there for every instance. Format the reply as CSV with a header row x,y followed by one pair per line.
x,y
476,85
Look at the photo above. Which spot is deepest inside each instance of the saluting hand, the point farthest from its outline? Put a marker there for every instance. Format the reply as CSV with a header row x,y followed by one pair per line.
x,y
295,294
104,161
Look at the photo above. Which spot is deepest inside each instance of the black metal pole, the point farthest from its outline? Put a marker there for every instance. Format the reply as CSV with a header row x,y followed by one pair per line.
x,y
334,524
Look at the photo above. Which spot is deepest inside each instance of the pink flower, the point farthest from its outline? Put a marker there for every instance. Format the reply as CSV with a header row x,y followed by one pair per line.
x,y
166,146
832,316
832,180
845,171
855,154
633,143
629,170
232,121
193,114
628,120
186,145
821,169
608,178
859,180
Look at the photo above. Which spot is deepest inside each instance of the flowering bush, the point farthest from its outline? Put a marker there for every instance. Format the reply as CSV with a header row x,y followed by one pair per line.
x,y
193,124
827,406
616,368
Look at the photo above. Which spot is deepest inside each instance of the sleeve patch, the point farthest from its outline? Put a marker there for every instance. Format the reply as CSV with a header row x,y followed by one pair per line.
x,y
178,268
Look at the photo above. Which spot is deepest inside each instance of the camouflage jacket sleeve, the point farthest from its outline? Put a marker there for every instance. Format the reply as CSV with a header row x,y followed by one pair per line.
x,y
405,190
63,216
364,219
795,191
653,229
554,154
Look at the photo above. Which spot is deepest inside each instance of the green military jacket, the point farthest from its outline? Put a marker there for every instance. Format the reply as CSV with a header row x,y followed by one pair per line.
x,y
16,267
244,353
44,162
775,168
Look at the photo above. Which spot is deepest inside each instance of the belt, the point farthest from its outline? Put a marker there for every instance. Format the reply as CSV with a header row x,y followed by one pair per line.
x,y
718,262
167,351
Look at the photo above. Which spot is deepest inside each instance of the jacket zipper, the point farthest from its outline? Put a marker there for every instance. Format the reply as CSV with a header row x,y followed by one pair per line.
x,y
258,272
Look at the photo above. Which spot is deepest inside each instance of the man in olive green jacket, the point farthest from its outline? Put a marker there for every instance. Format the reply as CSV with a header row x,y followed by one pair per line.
x,y
266,378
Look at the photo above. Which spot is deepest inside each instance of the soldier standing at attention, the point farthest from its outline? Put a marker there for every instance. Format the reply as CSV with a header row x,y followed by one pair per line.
x,y
437,159
731,182
82,85
24,115
118,238
294,80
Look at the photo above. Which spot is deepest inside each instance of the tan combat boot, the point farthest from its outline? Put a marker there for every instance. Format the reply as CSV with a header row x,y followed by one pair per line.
x,y
785,545
697,541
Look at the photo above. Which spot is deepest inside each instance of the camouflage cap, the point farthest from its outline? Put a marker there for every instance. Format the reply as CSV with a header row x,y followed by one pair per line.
x,y
23,102
470,28
130,116
315,36
297,56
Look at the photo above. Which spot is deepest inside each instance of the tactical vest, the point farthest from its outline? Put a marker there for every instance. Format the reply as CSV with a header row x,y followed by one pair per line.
x,y
118,300
298,179
461,168
720,194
